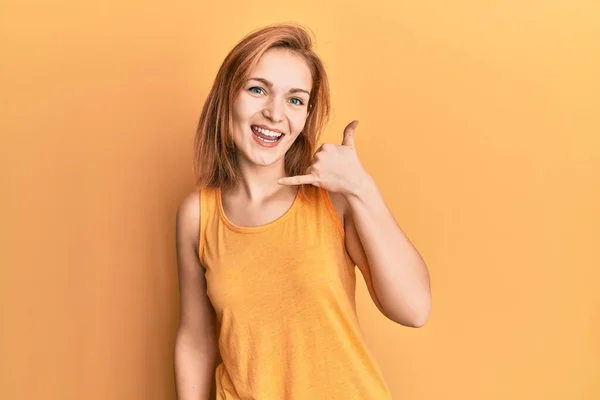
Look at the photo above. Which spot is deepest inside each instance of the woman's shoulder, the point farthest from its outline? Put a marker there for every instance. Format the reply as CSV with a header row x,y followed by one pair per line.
x,y
190,204
188,216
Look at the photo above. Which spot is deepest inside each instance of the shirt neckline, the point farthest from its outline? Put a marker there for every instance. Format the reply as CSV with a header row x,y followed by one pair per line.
x,y
259,228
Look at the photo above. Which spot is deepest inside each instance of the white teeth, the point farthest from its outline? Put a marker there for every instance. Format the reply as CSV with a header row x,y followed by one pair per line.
x,y
267,132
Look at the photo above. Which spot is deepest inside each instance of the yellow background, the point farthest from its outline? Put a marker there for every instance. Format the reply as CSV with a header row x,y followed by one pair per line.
x,y
479,121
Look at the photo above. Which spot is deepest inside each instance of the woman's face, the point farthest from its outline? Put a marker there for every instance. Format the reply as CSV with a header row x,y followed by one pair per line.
x,y
271,109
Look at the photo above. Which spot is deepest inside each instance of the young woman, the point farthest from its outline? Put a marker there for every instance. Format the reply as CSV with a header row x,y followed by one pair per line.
x,y
268,243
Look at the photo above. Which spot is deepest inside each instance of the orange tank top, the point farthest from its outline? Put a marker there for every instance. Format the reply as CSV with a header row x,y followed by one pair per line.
x,y
284,299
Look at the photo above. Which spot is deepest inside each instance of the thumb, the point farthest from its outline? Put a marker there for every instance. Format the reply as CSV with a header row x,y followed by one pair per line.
x,y
349,133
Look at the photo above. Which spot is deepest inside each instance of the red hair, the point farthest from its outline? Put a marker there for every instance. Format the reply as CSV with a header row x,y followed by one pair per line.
x,y
215,160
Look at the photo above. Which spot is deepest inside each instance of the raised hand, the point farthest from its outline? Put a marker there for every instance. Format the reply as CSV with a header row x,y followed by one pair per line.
x,y
336,168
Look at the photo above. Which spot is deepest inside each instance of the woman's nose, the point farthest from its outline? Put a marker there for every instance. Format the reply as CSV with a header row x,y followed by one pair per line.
x,y
274,110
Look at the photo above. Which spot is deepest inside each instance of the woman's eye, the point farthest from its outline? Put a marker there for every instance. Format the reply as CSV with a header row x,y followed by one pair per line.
x,y
259,90
255,87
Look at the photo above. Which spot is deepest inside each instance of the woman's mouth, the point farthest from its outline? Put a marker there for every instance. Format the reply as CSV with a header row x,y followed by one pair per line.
x,y
265,137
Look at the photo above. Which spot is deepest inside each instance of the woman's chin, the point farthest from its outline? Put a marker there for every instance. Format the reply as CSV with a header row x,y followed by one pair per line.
x,y
267,162
263,157
263,160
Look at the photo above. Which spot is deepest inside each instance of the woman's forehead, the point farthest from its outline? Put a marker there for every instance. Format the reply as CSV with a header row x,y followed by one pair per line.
x,y
283,69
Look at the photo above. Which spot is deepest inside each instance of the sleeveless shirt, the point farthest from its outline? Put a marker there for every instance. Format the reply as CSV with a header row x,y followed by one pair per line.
x,y
284,296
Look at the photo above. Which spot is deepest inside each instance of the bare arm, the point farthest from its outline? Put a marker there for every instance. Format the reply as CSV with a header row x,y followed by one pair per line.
x,y
195,352
396,274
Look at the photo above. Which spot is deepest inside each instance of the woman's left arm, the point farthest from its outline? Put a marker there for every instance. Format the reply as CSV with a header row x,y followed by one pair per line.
x,y
395,273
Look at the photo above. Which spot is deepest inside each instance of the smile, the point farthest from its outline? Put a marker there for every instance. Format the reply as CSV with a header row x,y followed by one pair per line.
x,y
266,135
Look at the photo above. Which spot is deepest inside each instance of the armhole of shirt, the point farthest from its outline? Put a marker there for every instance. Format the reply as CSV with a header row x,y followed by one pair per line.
x,y
202,225
340,226
333,213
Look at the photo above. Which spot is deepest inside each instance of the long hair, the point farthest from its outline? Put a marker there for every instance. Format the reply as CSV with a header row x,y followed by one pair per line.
x,y
215,160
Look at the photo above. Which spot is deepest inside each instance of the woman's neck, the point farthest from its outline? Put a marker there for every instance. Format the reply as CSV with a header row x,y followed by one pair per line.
x,y
259,182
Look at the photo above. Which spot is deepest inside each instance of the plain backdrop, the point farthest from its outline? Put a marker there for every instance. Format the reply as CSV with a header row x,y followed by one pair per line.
x,y
478,120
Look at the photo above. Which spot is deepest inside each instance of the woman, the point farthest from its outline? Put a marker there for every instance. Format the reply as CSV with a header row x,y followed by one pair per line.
x,y
268,243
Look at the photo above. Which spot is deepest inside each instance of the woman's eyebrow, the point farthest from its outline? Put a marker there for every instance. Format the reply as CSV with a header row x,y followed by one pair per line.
x,y
270,84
